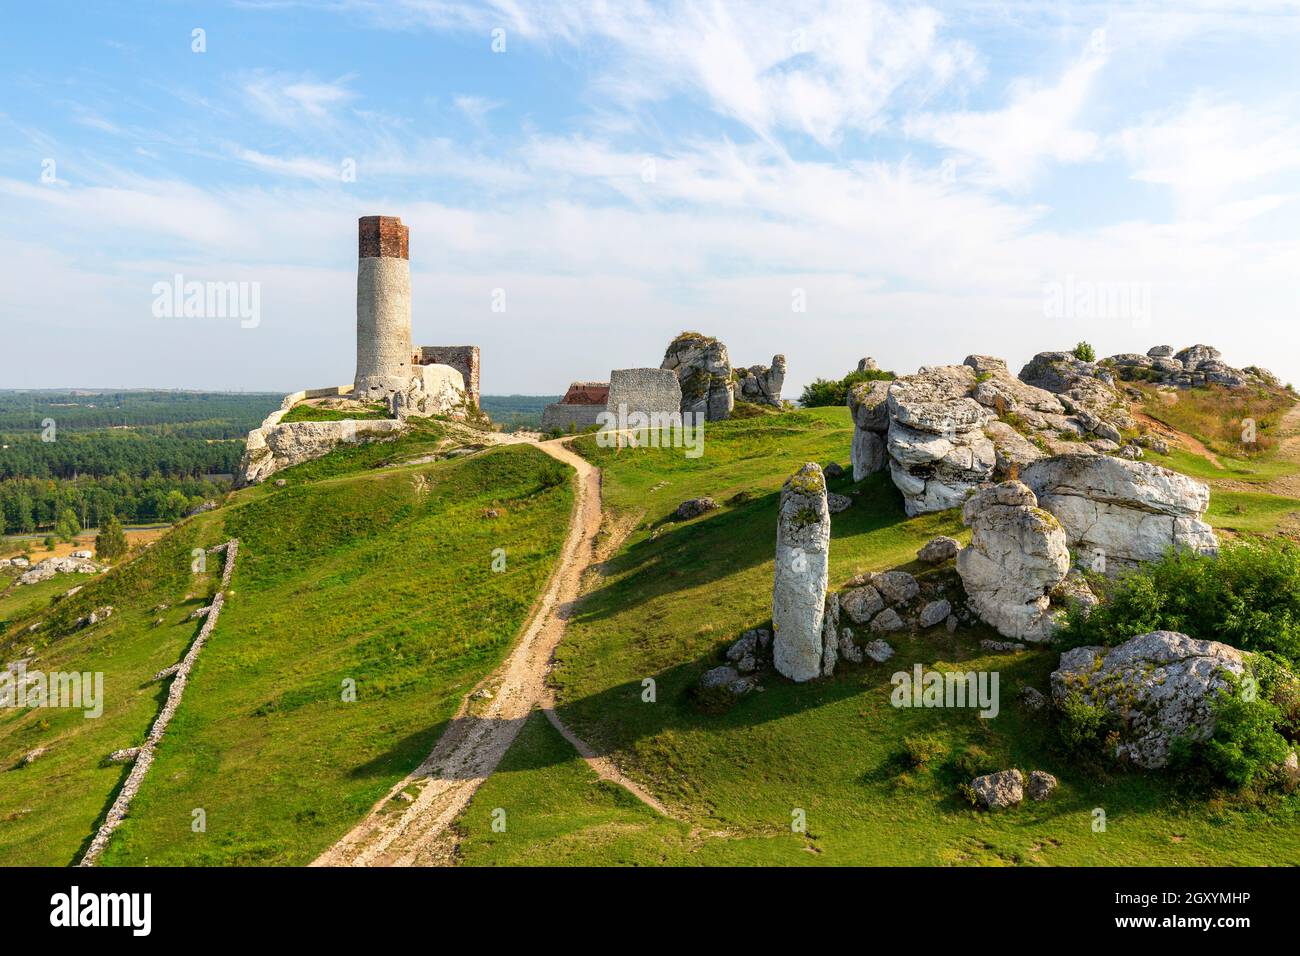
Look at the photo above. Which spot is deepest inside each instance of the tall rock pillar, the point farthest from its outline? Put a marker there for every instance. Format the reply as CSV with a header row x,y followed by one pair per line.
x,y
383,308
802,648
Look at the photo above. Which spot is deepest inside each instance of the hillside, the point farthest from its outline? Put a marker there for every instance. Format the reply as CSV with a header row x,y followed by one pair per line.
x,y
359,569
675,595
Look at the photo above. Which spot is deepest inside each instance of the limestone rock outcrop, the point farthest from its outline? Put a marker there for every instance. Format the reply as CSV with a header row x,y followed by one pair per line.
x,y
430,390
1080,386
45,570
762,384
799,589
996,791
1193,366
869,406
1016,557
703,369
936,443
1122,511
1160,686
275,447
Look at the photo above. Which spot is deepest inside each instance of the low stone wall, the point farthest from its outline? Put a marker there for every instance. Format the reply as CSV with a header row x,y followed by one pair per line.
x,y
562,416
145,754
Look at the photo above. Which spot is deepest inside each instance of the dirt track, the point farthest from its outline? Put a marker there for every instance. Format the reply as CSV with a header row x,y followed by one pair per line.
x,y
418,832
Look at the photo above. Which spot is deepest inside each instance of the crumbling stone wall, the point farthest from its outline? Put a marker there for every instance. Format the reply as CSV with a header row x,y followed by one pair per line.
x,y
463,358
652,391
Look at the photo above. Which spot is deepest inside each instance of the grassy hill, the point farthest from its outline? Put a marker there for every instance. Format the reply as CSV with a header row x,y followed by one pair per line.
x,y
361,569
676,594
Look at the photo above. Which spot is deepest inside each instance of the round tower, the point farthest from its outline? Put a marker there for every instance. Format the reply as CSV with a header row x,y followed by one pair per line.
x,y
383,308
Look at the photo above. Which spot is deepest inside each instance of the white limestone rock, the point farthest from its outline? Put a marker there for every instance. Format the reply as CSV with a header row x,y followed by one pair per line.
x,y
1017,555
1126,511
996,791
799,589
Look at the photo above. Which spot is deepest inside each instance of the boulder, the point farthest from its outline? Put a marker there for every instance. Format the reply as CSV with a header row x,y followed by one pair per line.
x,y
47,569
868,406
868,364
833,470
800,577
838,503
934,613
1159,686
1040,786
887,621
727,680
694,507
862,604
1195,356
895,586
939,549
849,649
1125,511
703,369
879,651
1033,698
1017,555
996,791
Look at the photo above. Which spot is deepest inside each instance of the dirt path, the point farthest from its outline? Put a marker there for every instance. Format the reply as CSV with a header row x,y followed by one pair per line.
x,y
1189,442
411,826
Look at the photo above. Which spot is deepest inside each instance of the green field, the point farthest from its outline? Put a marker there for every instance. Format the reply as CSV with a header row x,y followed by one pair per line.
x,y
666,609
381,577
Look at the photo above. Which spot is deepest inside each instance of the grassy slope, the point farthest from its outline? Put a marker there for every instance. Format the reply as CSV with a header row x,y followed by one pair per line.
x,y
366,578
350,571
48,810
831,748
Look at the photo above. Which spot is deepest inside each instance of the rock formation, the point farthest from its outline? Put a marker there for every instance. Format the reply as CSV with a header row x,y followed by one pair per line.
x,y
803,534
936,443
1123,511
1017,555
703,370
48,568
1159,686
997,791
1193,366
868,404
276,446
762,384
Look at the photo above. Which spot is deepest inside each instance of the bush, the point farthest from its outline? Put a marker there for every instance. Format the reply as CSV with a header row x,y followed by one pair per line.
x,y
824,391
552,474
1085,352
974,762
1083,726
921,749
1245,746
1248,596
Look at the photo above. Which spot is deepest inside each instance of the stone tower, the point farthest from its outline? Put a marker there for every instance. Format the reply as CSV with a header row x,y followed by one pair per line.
x,y
384,350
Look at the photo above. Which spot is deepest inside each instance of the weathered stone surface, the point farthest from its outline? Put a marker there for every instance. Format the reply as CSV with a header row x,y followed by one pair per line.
x,y
862,604
996,791
934,613
429,390
1001,647
1040,786
1074,589
703,369
652,392
799,589
727,679
887,621
867,452
936,443
47,569
762,384
694,507
879,651
838,503
1160,685
1017,555
277,445
895,586
1124,511
1033,698
869,408
939,549
849,649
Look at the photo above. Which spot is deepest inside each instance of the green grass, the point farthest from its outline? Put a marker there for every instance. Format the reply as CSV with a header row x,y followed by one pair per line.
x,y
315,413
49,810
1248,512
384,579
1250,470
669,606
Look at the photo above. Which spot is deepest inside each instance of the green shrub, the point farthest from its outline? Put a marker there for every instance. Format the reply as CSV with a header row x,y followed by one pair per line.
x,y
110,543
1245,747
1085,352
1248,596
973,762
824,391
921,749
1083,726
552,474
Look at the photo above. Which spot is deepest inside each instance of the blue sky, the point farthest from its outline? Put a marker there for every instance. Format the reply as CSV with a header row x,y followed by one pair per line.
x,y
918,176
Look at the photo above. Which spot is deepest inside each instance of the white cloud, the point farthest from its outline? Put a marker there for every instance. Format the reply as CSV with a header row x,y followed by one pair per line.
x,y
291,100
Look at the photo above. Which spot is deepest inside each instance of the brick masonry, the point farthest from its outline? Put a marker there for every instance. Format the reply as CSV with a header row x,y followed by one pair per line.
x,y
382,237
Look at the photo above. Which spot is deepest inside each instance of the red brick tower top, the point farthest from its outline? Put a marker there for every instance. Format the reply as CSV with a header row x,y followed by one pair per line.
x,y
382,237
